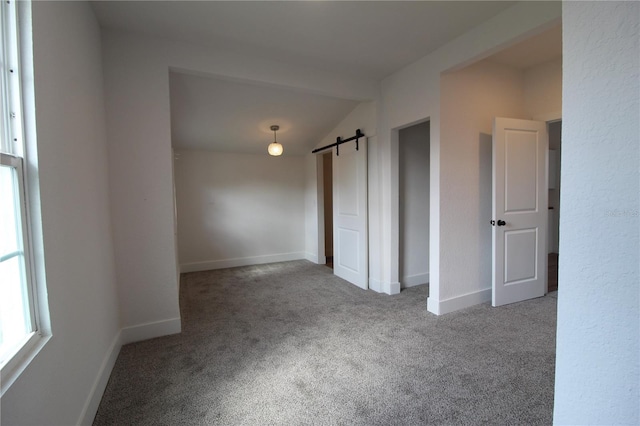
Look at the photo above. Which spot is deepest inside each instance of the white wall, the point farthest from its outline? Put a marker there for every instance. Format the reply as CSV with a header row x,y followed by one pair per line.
x,y
64,383
238,209
543,90
314,209
413,94
362,117
597,362
414,204
137,103
470,99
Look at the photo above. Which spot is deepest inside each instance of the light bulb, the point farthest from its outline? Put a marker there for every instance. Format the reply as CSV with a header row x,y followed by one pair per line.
x,y
275,149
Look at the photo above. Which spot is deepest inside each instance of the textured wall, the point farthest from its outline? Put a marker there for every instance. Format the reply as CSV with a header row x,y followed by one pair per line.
x,y
597,371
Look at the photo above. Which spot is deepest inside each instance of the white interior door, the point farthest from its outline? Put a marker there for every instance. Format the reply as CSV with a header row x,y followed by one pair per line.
x,y
519,217
350,245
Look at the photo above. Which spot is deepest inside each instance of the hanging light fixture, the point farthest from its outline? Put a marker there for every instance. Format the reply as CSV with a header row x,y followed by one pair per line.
x,y
275,148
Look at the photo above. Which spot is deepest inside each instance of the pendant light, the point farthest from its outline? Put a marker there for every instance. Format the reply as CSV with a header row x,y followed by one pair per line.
x,y
275,148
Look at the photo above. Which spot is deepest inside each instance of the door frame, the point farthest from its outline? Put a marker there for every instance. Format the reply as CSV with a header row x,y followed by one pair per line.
x,y
405,280
549,119
391,277
320,211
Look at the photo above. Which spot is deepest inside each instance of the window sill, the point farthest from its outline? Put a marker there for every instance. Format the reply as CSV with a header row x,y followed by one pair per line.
x,y
10,371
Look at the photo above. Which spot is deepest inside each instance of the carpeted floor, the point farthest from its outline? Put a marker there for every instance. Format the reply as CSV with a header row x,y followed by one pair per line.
x,y
291,344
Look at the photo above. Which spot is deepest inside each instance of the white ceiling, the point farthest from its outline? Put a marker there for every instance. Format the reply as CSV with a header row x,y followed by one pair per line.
x,y
367,39
362,38
231,116
533,51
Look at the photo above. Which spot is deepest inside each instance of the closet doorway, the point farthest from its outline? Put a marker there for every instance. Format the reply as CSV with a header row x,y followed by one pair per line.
x,y
553,223
327,173
413,174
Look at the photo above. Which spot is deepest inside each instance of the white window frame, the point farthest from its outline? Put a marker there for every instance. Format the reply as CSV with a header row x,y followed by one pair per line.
x,y
16,163
16,154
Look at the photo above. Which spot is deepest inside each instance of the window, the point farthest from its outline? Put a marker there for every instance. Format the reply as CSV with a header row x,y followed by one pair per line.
x,y
19,330
17,321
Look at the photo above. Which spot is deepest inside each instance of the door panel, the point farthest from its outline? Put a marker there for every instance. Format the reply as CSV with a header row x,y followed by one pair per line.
x,y
350,213
520,255
519,216
348,241
521,164
347,176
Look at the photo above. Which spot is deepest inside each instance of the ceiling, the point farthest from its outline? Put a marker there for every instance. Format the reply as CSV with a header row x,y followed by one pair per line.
x,y
237,117
533,51
362,38
365,39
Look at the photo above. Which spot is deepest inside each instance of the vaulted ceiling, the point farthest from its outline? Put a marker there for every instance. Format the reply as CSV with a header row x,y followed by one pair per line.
x,y
366,39
236,117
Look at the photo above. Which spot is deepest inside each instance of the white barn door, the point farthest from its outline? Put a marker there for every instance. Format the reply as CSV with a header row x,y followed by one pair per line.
x,y
519,217
350,242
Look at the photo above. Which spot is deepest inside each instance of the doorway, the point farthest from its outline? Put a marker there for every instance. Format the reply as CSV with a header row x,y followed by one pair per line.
x,y
413,200
342,182
327,176
553,222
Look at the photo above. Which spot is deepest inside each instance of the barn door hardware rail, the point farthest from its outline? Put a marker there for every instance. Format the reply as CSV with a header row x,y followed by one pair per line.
x,y
339,141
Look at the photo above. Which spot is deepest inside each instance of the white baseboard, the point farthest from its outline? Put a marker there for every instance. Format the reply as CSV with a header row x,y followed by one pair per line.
x,y
390,288
319,260
100,384
433,306
124,336
150,330
414,280
459,302
375,285
384,287
240,261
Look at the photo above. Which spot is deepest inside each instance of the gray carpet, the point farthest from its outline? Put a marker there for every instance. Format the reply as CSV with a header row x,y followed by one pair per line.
x,y
291,344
